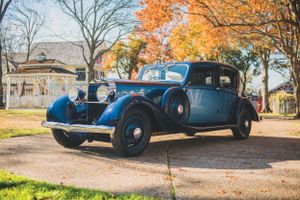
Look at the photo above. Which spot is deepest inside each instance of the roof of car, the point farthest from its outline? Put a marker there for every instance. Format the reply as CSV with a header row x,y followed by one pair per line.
x,y
212,63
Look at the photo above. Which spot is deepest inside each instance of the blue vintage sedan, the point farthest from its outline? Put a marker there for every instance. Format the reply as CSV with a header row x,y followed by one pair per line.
x,y
168,98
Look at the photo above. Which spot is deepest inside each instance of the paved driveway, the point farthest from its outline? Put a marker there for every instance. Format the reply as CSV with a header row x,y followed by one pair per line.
x,y
208,166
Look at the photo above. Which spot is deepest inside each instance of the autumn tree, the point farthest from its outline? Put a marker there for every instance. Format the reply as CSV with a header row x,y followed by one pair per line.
x,y
101,22
126,56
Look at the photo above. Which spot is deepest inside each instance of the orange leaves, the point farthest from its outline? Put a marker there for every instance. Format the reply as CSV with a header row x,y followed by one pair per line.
x,y
155,13
191,24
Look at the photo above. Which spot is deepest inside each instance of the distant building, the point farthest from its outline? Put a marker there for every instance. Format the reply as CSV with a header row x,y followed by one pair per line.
x,y
42,76
287,87
286,106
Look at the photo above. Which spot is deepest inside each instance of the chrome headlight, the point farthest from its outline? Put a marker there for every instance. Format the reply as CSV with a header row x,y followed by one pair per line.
x,y
73,94
102,93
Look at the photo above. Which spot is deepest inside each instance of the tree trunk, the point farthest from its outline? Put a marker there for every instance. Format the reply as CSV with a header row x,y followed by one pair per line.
x,y
244,83
1,83
296,77
130,73
264,56
91,73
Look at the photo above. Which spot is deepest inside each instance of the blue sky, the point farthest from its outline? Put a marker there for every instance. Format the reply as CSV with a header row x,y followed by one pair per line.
x,y
59,27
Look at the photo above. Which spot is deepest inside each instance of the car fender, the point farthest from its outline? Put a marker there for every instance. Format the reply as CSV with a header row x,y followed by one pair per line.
x,y
245,103
61,110
117,110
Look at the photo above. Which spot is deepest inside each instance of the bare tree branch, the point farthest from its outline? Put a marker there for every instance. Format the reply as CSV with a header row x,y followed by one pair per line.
x,y
102,23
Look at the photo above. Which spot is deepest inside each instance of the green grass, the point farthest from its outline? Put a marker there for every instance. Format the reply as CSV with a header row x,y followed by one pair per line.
x,y
24,112
16,132
14,187
277,114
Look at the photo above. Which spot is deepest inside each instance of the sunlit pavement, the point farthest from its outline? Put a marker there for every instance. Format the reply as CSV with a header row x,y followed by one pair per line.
x,y
208,166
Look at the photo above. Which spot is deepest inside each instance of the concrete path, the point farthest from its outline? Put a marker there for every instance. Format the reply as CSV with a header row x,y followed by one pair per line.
x,y
207,166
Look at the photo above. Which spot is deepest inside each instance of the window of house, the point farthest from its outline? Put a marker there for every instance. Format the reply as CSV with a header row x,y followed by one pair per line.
x,y
202,76
228,78
81,75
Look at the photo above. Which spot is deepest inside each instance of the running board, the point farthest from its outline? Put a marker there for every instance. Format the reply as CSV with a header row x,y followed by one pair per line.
x,y
211,128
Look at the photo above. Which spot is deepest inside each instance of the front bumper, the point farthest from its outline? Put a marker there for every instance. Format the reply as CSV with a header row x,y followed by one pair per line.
x,y
79,128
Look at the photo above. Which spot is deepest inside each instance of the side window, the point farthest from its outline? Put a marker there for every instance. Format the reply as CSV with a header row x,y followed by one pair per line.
x,y
80,72
201,76
228,78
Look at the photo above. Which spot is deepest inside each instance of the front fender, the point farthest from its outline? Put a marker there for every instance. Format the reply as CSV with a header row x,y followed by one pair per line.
x,y
61,111
117,110
245,103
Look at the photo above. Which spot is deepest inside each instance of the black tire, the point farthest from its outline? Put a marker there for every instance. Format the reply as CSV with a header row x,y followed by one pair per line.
x,y
68,139
243,127
190,134
124,140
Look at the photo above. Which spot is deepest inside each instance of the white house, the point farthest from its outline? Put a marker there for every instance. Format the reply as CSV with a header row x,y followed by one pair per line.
x,y
52,69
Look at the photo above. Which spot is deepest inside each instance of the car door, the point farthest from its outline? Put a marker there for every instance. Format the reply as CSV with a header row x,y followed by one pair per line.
x,y
203,96
227,80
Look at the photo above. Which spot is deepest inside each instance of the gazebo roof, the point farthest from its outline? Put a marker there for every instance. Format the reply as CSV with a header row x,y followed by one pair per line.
x,y
41,63
41,70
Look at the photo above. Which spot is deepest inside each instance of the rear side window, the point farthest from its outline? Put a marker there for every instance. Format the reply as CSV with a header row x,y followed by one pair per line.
x,y
201,77
228,78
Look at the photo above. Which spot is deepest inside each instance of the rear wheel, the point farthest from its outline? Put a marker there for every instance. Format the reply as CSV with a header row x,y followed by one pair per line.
x,y
243,129
132,134
68,139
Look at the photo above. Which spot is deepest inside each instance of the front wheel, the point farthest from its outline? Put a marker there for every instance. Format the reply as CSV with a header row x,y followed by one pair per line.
x,y
132,134
68,139
243,129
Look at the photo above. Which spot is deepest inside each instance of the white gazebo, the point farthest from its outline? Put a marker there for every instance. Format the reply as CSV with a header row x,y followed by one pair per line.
x,y
36,83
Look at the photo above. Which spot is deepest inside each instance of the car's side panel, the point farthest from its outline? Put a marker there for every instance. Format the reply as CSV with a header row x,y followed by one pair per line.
x,y
228,101
204,103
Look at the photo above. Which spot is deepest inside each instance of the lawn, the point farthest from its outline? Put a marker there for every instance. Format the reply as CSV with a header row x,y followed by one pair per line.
x,y
17,187
276,115
15,123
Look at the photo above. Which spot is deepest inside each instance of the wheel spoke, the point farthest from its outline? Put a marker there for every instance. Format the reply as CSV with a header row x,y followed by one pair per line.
x,y
133,131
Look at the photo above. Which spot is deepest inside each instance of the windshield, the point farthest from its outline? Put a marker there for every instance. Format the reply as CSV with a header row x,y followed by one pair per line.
x,y
163,73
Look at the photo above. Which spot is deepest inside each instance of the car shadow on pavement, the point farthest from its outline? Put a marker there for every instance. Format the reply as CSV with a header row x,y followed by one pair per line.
x,y
213,152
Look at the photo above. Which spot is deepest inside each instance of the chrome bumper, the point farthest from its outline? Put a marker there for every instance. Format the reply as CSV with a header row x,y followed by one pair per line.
x,y
79,128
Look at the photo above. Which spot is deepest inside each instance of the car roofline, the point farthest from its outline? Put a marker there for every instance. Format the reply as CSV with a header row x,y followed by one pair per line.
x,y
193,63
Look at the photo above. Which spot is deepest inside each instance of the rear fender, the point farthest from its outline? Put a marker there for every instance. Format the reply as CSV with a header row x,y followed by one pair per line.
x,y
245,103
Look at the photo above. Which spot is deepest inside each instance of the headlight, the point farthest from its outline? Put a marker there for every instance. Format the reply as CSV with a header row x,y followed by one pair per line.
x,y
73,94
102,93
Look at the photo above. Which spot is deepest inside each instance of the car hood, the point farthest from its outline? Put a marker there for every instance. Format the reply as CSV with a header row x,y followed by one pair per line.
x,y
142,83
149,89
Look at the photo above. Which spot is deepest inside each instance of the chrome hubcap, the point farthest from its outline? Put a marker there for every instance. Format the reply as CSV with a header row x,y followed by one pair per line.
x,y
246,124
180,109
137,133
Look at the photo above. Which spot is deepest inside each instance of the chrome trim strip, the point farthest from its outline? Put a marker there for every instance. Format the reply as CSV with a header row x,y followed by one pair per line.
x,y
90,102
79,128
